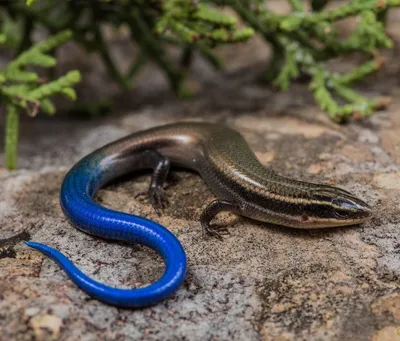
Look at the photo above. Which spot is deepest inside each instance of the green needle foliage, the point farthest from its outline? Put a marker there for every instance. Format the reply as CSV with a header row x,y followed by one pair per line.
x,y
22,90
302,42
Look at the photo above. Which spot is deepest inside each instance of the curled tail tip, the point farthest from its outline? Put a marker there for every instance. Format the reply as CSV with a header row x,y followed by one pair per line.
x,y
47,250
30,244
35,245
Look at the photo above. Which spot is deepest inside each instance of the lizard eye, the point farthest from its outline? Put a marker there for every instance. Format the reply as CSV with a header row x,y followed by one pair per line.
x,y
343,209
341,214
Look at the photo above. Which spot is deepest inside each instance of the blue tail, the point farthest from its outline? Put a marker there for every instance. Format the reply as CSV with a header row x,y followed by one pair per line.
x,y
83,212
133,298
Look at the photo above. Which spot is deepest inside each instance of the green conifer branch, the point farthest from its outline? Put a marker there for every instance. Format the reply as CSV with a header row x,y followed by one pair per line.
x,y
302,42
11,136
355,7
23,90
290,69
360,72
323,96
295,54
198,25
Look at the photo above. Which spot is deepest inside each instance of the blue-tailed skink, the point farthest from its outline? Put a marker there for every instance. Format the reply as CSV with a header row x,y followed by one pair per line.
x,y
232,171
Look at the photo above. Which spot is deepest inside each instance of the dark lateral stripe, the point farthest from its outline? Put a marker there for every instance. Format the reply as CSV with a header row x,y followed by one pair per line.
x,y
318,206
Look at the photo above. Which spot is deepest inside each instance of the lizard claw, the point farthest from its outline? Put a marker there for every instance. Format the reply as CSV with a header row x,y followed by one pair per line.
x,y
158,199
217,232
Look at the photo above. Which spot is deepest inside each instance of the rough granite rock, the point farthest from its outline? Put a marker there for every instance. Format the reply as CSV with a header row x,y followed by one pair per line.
x,y
263,282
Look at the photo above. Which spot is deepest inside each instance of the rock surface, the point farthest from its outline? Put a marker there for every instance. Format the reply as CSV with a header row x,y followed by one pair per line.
x,y
263,282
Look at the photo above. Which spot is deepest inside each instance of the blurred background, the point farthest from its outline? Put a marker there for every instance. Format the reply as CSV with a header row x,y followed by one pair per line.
x,y
313,86
111,57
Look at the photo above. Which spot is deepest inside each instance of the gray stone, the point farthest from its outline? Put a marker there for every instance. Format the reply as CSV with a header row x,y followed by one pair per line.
x,y
263,281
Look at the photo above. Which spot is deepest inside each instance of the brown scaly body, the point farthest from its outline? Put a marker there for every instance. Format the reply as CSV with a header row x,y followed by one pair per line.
x,y
232,171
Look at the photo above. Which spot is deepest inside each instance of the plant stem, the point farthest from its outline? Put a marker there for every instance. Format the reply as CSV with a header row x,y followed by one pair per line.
x,y
11,137
109,63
